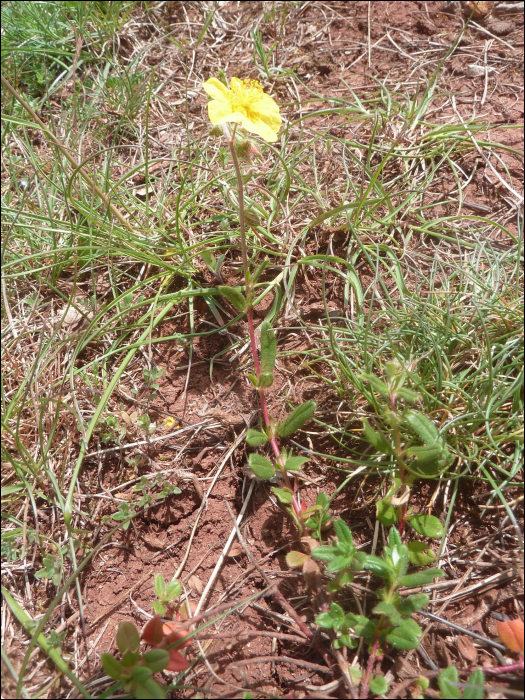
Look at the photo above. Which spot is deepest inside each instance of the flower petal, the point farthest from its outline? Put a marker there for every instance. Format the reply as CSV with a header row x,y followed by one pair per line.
x,y
217,90
222,112
259,127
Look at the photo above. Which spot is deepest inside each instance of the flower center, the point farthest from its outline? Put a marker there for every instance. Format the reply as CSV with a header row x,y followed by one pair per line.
x,y
245,93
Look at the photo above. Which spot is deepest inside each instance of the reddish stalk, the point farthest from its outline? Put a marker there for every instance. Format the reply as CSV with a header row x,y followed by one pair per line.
x,y
249,307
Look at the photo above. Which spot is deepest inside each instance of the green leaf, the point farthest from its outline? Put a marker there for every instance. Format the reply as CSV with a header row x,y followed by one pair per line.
x,y
173,589
429,459
384,608
394,538
158,608
421,578
420,554
148,690
283,495
295,560
385,513
406,635
333,619
407,394
294,463
112,667
475,687
128,638
156,659
379,685
338,562
268,348
253,380
324,553
377,566
413,603
376,383
141,674
343,532
447,681
265,380
130,658
261,467
254,438
422,426
364,627
377,439
159,585
234,296
427,525
296,419
209,259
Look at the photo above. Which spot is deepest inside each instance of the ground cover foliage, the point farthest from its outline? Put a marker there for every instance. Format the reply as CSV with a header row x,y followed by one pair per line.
x,y
384,231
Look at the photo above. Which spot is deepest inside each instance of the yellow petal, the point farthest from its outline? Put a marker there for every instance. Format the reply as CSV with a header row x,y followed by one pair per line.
x,y
219,112
217,90
260,128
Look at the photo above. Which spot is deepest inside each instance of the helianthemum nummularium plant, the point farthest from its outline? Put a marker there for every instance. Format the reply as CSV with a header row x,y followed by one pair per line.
x,y
245,103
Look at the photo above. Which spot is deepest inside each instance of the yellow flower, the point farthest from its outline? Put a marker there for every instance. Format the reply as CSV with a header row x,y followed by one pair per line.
x,y
170,422
245,103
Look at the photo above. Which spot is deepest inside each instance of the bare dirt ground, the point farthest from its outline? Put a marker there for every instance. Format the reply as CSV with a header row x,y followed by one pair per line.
x,y
333,46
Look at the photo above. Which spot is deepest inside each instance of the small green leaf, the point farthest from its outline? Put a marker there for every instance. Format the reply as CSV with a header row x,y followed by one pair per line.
x,y
376,439
253,380
420,554
384,608
130,658
268,348
128,638
254,438
422,426
338,562
429,459
148,690
377,566
261,467
209,259
406,635
407,394
156,659
343,532
141,674
422,578
475,686
394,538
324,553
173,590
376,383
112,667
413,603
159,585
265,380
294,463
386,514
158,607
447,681
427,525
333,619
295,560
283,495
234,296
296,419
379,685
